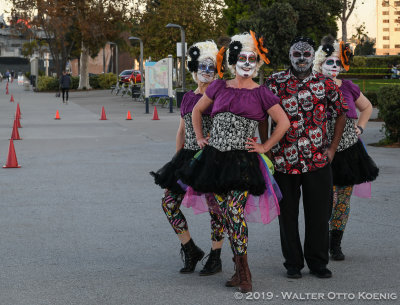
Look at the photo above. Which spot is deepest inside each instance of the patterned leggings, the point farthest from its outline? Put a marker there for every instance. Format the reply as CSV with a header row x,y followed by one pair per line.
x,y
171,204
232,206
341,207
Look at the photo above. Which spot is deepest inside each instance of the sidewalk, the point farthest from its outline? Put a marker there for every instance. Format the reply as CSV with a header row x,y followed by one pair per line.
x,y
81,220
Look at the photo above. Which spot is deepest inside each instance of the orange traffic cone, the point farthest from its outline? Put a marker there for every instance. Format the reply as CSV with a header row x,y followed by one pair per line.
x,y
12,98
18,111
12,158
57,117
18,122
103,114
15,133
7,90
128,115
155,114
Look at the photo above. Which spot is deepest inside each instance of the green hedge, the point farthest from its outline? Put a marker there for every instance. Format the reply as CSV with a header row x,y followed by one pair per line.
x,y
389,111
373,62
372,96
102,81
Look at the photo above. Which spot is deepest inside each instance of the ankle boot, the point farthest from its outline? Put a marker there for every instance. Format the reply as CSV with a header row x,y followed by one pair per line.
x,y
334,245
213,264
191,255
244,274
234,281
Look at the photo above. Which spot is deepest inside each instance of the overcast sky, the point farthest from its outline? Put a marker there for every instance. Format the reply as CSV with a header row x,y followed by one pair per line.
x,y
362,13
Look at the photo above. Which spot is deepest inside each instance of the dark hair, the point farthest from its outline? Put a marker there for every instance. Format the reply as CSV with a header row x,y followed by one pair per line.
x,y
303,39
235,48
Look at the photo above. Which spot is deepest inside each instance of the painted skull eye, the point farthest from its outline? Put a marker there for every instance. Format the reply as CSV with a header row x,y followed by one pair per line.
x,y
296,54
313,136
293,103
307,54
320,87
293,151
318,134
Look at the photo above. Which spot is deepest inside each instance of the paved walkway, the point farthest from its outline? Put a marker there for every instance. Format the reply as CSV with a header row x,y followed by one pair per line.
x,y
81,221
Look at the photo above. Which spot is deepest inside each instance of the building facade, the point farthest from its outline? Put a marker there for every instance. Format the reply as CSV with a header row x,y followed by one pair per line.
x,y
388,27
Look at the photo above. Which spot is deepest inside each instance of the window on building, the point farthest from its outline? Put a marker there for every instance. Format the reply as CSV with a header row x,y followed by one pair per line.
x,y
397,29
385,13
386,29
397,3
386,46
385,3
385,20
397,46
397,12
385,37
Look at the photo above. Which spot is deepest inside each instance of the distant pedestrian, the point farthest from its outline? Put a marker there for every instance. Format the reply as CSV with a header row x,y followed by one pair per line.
x,y
65,84
7,75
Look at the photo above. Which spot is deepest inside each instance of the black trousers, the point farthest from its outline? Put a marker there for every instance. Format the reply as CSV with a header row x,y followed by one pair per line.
x,y
65,91
317,192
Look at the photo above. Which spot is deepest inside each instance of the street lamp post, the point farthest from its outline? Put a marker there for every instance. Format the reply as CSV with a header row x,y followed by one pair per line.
x,y
116,55
172,25
141,55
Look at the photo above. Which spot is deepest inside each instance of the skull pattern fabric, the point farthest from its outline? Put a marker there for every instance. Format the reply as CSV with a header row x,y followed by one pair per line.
x,y
306,104
349,136
190,136
230,131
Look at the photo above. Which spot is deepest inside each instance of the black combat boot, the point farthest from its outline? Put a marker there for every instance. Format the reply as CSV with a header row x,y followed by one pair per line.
x,y
191,255
334,245
213,264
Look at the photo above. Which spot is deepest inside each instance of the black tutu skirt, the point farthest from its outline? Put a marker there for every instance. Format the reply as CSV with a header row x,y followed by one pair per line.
x,y
213,171
353,166
166,177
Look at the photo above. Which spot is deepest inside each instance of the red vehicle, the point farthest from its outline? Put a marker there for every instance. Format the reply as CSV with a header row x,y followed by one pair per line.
x,y
127,75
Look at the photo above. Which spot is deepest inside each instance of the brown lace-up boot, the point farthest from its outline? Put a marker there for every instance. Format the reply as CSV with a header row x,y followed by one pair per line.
x,y
244,274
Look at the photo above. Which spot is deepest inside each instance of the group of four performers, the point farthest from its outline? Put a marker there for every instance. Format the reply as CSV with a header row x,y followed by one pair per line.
x,y
220,167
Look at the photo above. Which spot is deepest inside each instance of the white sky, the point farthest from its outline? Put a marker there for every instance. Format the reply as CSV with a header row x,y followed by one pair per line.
x,y
365,11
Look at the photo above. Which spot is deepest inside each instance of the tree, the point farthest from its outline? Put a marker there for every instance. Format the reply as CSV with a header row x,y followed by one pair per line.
x,y
201,20
49,20
278,25
346,10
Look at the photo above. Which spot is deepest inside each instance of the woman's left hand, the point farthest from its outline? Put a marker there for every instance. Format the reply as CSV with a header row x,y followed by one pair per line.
x,y
253,146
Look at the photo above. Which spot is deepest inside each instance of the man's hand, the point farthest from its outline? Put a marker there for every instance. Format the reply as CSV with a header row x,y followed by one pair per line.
x,y
330,153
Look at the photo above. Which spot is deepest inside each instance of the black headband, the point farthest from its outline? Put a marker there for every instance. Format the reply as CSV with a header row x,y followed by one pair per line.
x,y
303,39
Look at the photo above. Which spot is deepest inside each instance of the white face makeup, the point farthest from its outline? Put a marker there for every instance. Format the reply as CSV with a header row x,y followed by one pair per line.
x,y
246,64
206,71
301,56
331,66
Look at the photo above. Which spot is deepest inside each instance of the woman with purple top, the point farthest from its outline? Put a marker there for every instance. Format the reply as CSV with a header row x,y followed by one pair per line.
x,y
202,63
351,164
229,164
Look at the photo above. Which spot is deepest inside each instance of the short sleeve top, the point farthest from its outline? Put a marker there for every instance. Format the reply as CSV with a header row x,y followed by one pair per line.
x,y
351,92
190,100
252,104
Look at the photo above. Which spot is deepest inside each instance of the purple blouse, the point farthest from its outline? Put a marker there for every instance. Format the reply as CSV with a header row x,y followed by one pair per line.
x,y
190,100
248,103
351,92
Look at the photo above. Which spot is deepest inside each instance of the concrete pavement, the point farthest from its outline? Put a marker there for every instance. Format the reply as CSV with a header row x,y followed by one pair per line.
x,y
81,221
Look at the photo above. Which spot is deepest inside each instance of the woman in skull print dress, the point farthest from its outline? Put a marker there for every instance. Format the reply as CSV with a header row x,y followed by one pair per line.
x,y
229,165
201,62
351,164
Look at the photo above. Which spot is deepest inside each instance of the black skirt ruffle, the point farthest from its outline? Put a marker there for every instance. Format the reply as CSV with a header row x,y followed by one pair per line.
x,y
353,166
166,177
219,172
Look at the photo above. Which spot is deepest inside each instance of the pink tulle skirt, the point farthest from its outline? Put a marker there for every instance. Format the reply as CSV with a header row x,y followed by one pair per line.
x,y
263,208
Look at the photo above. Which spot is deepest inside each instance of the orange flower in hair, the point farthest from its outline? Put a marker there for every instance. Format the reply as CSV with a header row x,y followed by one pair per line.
x,y
345,55
220,62
261,50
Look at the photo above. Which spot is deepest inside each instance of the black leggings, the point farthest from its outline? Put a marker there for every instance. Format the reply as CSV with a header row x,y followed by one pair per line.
x,y
65,90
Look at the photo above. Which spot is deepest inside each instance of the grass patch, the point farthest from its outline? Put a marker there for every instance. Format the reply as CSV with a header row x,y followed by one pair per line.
x,y
374,84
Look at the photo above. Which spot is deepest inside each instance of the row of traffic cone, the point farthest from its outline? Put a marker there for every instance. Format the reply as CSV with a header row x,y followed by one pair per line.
x,y
104,117
12,161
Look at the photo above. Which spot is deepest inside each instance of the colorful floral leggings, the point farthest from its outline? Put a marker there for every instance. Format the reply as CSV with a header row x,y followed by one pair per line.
x,y
171,204
341,207
232,206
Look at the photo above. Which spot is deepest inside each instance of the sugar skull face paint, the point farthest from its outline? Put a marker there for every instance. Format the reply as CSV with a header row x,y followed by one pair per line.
x,y
301,56
331,66
206,71
246,64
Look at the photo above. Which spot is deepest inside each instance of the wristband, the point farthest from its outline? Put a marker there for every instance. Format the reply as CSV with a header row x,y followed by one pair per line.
x,y
361,129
